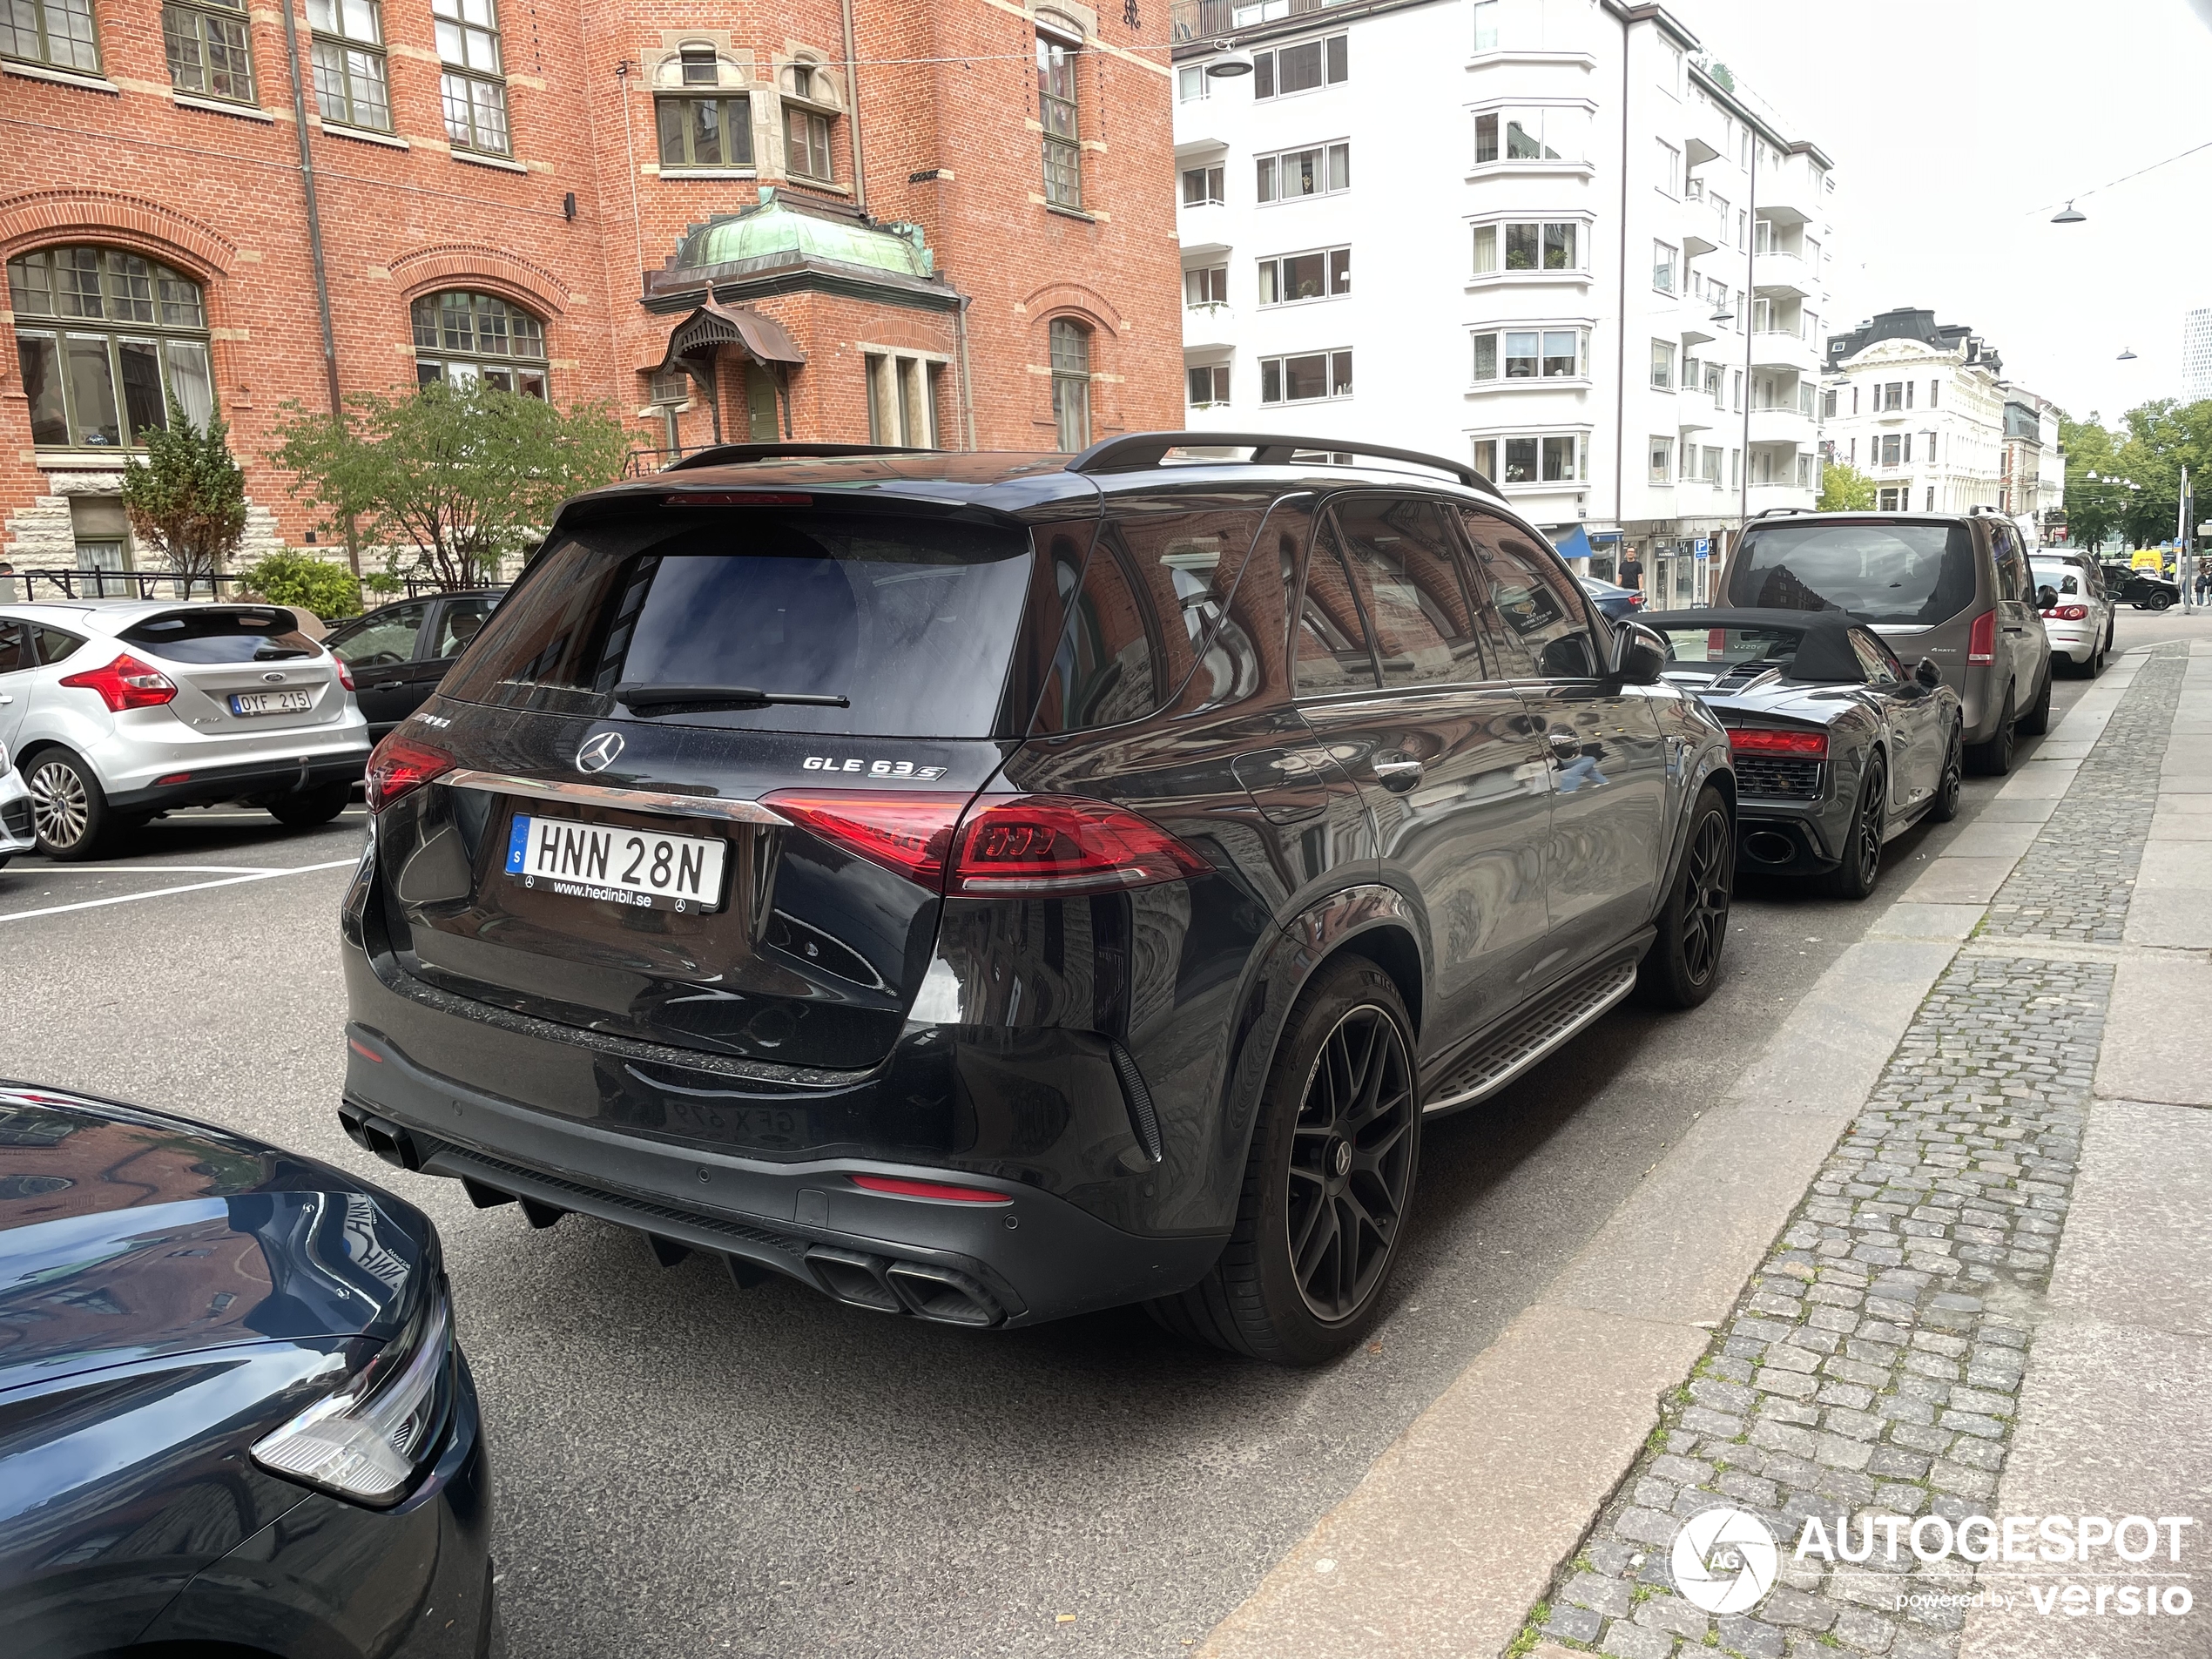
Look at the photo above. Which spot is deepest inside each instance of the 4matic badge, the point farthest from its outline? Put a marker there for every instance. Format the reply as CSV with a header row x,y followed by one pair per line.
x,y
872,768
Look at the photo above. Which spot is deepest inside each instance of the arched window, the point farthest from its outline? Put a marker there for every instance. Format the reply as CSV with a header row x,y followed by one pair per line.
x,y
106,339
1071,382
461,338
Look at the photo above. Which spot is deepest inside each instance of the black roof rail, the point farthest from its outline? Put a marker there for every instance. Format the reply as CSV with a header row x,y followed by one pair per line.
x,y
730,455
1136,451
1779,512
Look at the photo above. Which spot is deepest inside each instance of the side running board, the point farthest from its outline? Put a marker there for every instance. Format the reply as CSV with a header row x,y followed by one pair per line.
x,y
1522,1043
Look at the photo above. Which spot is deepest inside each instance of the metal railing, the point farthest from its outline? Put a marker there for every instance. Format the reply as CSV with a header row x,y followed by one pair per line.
x,y
638,462
1190,20
62,583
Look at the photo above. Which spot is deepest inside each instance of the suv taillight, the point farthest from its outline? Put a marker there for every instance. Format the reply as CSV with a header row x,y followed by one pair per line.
x,y
126,682
2068,613
1015,845
1981,642
401,766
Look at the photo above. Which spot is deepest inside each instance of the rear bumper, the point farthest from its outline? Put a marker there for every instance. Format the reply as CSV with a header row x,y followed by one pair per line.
x,y
1775,838
1027,1258
145,744
204,786
2077,640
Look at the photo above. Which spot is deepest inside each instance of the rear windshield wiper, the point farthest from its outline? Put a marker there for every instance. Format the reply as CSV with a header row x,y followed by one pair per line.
x,y
698,700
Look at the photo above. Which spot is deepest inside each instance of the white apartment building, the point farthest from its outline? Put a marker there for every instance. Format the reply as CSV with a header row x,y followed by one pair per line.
x,y
1547,204
2196,355
1924,409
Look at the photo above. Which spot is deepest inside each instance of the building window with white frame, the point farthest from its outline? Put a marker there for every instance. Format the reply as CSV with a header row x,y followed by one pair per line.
x,y
1663,366
1486,25
1206,384
1070,347
1305,67
1294,175
1289,278
1531,354
1555,245
1669,170
1670,63
472,82
206,45
1662,460
1713,464
1202,186
902,400
1192,84
1551,458
1206,286
1532,133
1306,377
1662,267
1056,75
347,45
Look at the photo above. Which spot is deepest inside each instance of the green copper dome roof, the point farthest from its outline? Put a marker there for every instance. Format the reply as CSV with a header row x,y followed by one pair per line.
x,y
772,234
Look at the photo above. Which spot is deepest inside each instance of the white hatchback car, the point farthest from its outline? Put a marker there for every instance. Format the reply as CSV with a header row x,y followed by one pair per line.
x,y
2080,625
116,711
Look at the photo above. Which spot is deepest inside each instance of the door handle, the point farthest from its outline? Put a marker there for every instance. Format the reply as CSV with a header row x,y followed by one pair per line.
x,y
1564,746
1396,773
5,699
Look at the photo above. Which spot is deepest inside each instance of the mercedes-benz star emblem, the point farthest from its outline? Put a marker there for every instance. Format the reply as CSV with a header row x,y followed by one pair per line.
x,y
598,753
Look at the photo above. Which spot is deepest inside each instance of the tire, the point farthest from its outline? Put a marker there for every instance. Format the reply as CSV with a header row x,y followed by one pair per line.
x,y
1952,784
1317,1165
69,815
2162,602
2095,665
1684,964
2037,720
306,808
1862,866
1994,758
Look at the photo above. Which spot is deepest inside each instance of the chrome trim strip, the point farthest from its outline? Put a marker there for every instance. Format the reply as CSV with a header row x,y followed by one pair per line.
x,y
627,800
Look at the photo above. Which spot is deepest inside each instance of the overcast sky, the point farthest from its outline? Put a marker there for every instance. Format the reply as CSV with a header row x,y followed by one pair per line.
x,y
1958,126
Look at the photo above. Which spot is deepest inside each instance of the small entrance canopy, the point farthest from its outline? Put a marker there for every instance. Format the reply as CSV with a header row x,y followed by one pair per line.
x,y
694,341
1575,544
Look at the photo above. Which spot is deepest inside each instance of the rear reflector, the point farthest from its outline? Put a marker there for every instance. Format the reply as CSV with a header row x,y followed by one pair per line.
x,y
172,778
1981,640
399,766
898,1187
1764,740
126,682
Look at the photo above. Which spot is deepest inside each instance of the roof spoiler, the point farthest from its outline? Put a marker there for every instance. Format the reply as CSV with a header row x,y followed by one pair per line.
x,y
733,455
1139,451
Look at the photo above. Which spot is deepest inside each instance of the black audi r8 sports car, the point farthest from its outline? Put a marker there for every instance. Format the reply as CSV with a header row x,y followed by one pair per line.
x,y
1838,748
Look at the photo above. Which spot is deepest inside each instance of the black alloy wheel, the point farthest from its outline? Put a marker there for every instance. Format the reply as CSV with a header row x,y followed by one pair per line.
x,y
1351,1163
2162,601
1854,878
1995,756
1683,965
1952,784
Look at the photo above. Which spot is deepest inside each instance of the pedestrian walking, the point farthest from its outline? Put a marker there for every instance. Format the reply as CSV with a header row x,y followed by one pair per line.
x,y
1632,571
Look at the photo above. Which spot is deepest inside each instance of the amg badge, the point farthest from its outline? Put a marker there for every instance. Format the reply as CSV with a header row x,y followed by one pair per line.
x,y
872,768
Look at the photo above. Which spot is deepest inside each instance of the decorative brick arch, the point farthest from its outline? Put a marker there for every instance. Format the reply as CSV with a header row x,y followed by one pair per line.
x,y
488,269
114,218
1074,299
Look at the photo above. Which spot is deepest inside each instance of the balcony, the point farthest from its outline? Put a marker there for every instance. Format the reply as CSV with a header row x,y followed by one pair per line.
x,y
1789,194
1208,328
1763,496
1784,276
1781,349
1781,426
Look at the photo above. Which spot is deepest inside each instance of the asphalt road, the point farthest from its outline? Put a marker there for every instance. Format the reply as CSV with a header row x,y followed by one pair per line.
x,y
687,1468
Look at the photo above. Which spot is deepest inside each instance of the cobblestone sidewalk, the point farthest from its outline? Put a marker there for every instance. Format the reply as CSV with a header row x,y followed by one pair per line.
x,y
1869,1369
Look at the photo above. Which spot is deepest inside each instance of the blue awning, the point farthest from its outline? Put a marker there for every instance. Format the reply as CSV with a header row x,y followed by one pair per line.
x,y
1575,544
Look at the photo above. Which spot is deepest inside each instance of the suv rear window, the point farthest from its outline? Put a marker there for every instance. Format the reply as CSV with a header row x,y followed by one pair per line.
x,y
1904,574
212,636
909,618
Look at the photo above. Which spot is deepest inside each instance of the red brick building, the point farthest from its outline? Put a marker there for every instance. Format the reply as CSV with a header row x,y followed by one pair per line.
x,y
947,222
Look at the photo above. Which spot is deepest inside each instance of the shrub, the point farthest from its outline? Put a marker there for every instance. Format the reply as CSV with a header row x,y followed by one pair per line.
x,y
289,578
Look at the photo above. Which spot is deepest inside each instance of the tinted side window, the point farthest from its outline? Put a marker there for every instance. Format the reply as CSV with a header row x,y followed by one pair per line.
x,y
381,641
1541,628
457,625
1881,668
1406,571
15,647
1108,667
54,644
2012,573
1329,645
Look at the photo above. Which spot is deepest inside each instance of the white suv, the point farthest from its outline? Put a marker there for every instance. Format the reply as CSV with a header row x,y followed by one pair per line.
x,y
2080,623
114,712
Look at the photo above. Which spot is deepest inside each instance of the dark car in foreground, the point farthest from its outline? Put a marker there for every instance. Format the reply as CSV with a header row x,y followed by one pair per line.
x,y
1953,588
1838,750
988,887
398,652
234,1419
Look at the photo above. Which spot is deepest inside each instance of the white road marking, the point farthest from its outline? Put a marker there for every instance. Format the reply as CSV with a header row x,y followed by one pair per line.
x,y
165,869
192,887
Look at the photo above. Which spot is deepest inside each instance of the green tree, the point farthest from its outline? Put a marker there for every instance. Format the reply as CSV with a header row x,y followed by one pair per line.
x,y
290,578
186,500
1845,488
2092,508
450,479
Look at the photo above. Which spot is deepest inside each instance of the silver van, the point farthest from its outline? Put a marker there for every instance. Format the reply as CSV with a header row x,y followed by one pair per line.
x,y
1953,587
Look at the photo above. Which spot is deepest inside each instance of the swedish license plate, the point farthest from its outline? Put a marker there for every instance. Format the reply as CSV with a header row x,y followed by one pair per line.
x,y
271,702
642,868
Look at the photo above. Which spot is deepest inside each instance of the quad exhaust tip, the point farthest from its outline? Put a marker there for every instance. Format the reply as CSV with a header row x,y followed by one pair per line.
x,y
921,1289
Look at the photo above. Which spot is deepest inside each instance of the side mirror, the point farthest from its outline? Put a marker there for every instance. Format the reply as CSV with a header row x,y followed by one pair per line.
x,y
1927,673
2045,596
1639,654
